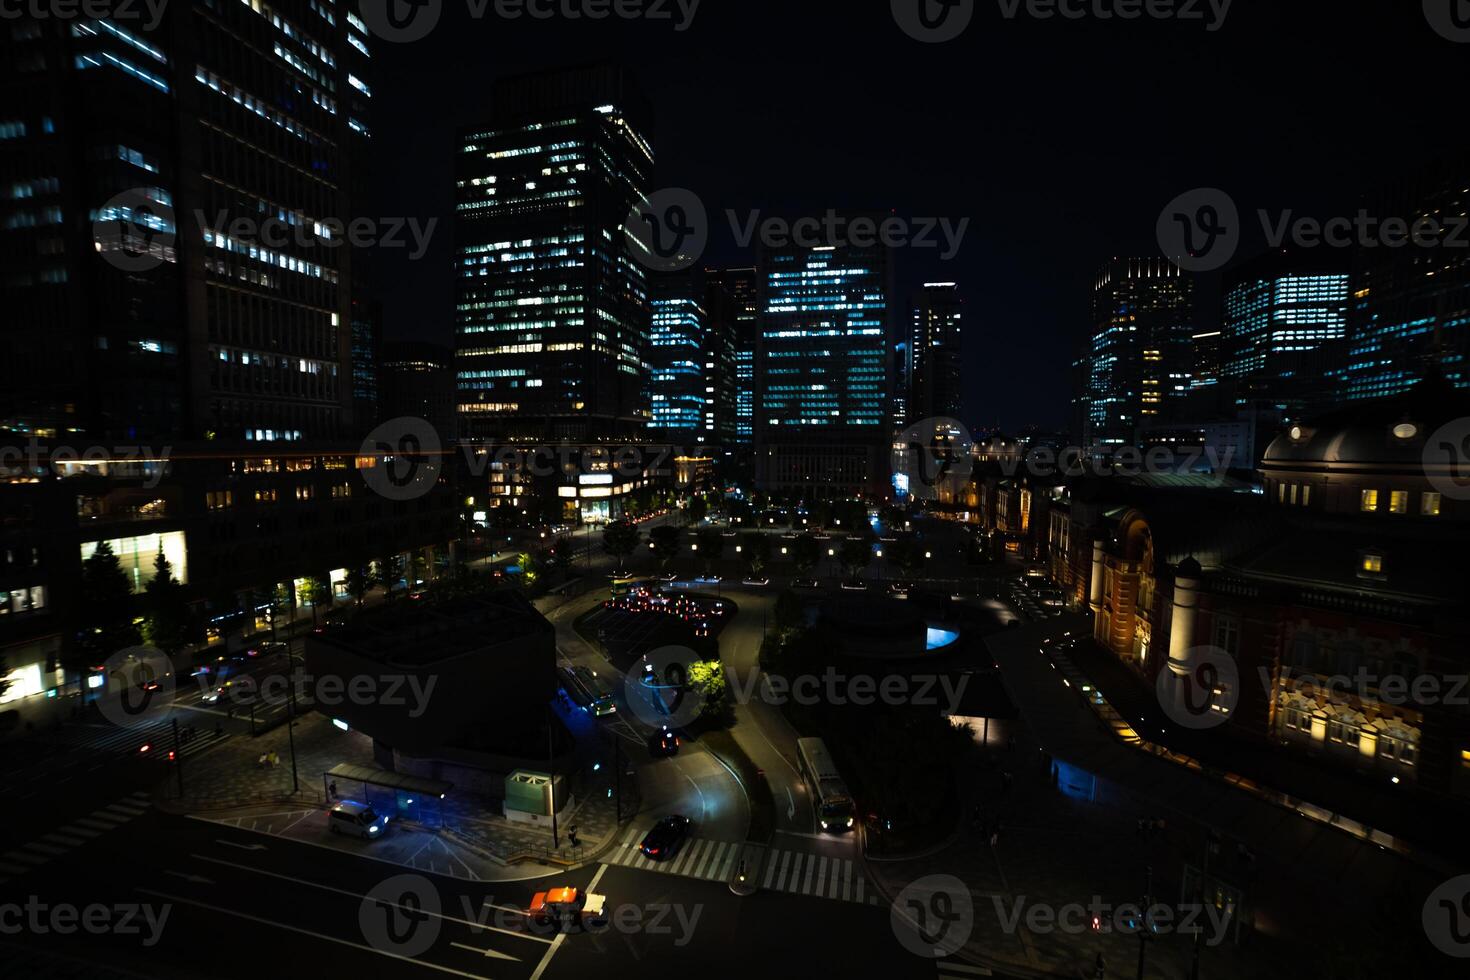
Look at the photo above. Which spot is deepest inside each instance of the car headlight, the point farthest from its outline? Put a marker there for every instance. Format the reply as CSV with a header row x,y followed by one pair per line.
x,y
849,821
372,830
824,825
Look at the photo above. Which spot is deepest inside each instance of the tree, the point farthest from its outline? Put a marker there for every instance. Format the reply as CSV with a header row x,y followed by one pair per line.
x,y
318,593
698,509
707,680
850,515
756,550
806,552
738,511
620,539
561,554
105,611
856,554
166,611
359,581
790,611
390,570
820,513
711,544
666,541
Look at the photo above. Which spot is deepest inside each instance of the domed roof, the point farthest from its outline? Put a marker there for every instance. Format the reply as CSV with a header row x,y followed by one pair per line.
x,y
1390,431
1189,568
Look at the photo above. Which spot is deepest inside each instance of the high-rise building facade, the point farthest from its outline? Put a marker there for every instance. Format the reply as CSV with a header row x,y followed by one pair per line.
x,y
1141,347
1284,316
740,285
936,353
167,224
677,357
823,405
416,380
1410,303
552,308
721,388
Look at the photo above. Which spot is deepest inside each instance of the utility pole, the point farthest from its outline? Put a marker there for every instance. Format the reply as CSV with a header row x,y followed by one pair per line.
x,y
551,771
291,718
178,757
1148,883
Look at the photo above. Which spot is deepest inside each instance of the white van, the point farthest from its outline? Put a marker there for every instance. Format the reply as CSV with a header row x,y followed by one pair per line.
x,y
357,819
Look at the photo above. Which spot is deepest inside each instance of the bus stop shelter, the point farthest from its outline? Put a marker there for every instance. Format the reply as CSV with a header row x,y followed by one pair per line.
x,y
410,793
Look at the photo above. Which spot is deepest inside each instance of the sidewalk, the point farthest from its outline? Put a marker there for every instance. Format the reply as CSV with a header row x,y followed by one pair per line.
x,y
230,786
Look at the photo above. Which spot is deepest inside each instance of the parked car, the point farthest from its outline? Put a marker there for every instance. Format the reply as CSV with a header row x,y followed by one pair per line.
x,y
357,820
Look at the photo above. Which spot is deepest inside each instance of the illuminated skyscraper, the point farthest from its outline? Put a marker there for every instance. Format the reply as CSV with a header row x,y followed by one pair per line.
x,y
131,150
1410,306
676,359
552,316
1141,347
740,285
823,406
936,353
1284,318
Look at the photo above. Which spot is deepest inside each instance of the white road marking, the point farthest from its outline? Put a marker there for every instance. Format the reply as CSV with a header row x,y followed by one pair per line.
x,y
307,932
352,894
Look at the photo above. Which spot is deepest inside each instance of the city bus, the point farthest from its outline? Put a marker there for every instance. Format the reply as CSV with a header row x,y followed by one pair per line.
x,y
586,690
830,799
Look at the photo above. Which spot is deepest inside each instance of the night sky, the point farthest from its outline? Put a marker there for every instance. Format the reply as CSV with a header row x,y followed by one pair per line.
x,y
1059,140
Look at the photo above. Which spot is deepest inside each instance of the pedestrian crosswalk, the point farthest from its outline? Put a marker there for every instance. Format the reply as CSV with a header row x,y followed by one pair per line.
x,y
159,738
785,870
83,830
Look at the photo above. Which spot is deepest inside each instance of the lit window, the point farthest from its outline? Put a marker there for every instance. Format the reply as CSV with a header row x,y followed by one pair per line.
x,y
1398,502
1293,494
1429,504
1370,500
1306,494
1373,564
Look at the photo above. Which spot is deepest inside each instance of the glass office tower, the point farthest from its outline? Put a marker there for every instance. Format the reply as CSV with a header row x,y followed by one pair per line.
x,y
552,314
823,406
936,352
740,285
130,151
1142,342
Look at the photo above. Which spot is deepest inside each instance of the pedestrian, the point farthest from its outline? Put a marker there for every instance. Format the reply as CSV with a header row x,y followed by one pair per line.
x,y
1099,967
332,789
219,729
994,836
1010,743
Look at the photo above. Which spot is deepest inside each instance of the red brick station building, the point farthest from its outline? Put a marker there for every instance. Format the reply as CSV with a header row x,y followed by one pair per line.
x,y
1336,579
